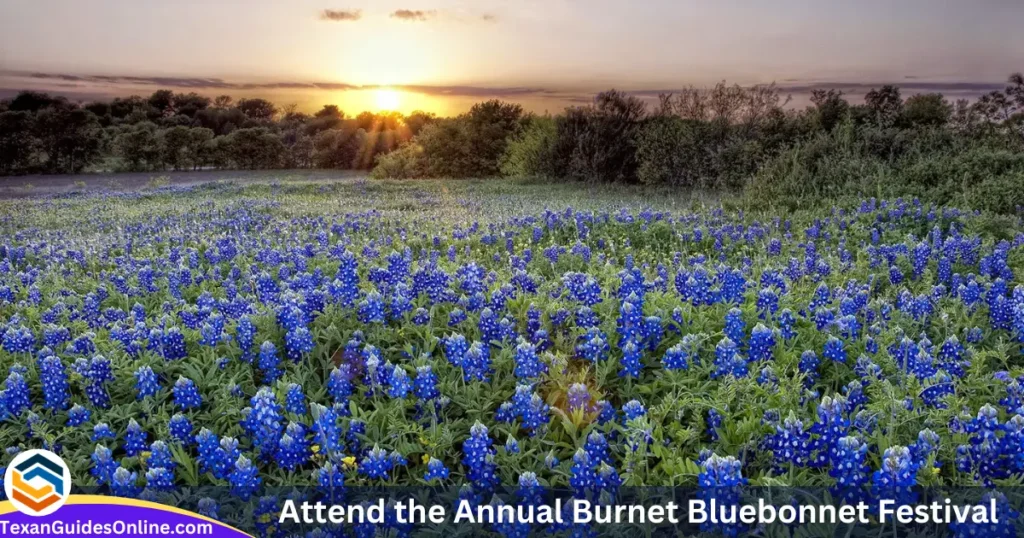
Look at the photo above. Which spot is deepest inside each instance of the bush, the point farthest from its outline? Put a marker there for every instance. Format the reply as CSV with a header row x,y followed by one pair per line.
x,y
404,163
531,153
597,142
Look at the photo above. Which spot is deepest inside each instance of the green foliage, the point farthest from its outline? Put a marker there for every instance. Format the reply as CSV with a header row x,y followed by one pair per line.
x,y
531,152
404,163
254,148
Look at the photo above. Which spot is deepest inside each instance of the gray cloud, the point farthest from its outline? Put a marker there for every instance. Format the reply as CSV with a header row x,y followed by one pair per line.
x,y
413,15
488,17
341,15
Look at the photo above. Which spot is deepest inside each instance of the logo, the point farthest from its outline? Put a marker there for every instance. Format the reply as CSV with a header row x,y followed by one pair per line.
x,y
37,482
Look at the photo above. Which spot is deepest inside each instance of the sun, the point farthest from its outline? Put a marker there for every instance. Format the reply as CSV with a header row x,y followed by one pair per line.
x,y
387,99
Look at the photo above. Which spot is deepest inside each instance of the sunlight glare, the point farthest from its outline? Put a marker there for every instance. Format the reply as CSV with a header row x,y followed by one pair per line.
x,y
387,99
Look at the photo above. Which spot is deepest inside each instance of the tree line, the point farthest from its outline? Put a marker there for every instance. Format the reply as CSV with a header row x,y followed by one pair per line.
x,y
42,133
747,139
725,137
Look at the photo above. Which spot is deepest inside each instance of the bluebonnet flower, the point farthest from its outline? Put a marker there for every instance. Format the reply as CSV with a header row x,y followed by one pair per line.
x,y
455,348
97,373
728,361
597,448
398,384
376,464
897,476
293,448
528,407
478,457
582,476
735,328
124,483
16,395
134,439
245,479
186,395
425,384
578,397
54,378
593,346
339,384
208,507
631,365
608,480
675,358
583,288
833,424
102,431
767,377
511,445
787,324
848,469
78,415
762,342
146,383
436,470
790,444
180,428
245,335
172,344
160,456
1003,525
937,388
263,422
633,409
455,317
421,316
103,465
720,480
371,309
528,364
326,434
298,342
295,400
18,340
268,362
834,350
330,481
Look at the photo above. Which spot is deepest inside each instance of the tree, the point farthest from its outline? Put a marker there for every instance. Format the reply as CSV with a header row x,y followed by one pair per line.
x,y
596,143
17,143
927,110
195,150
162,102
259,110
417,120
530,153
255,147
222,101
30,101
138,147
175,146
831,108
338,148
69,137
188,104
490,125
328,117
885,105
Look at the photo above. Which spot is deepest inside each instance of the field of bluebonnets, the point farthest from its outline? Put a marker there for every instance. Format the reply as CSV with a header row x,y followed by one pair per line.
x,y
486,334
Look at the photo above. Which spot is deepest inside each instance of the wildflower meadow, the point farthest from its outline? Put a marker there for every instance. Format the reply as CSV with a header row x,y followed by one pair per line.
x,y
490,336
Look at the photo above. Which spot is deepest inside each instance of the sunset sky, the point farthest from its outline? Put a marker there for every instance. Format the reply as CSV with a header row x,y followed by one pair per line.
x,y
444,55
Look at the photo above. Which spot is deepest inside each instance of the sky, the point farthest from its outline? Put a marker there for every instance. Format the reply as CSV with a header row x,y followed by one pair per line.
x,y
444,55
